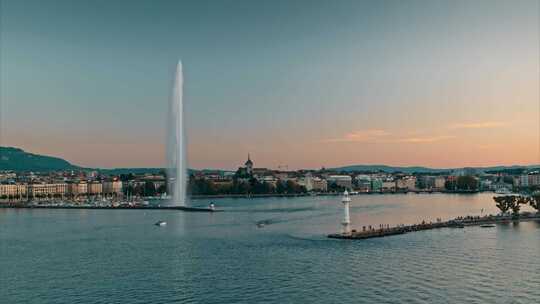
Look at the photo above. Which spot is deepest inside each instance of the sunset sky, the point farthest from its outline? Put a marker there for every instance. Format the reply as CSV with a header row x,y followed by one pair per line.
x,y
298,83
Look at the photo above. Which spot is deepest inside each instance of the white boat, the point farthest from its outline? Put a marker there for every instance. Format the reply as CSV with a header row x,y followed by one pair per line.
x,y
503,191
160,223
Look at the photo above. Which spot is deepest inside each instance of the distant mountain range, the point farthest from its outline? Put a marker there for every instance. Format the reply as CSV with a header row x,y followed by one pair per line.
x,y
418,169
16,159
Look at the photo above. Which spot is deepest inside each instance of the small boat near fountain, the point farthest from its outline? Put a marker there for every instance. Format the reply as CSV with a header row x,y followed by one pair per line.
x,y
261,224
160,223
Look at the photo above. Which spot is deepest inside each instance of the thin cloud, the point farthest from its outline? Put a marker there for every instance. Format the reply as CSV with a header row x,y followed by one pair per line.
x,y
487,146
382,136
422,140
478,125
366,136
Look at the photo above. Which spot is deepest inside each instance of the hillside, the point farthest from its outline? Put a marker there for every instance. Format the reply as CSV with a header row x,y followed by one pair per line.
x,y
18,160
417,169
389,169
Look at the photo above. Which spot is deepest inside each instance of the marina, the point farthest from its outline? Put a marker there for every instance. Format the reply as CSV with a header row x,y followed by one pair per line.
x,y
111,207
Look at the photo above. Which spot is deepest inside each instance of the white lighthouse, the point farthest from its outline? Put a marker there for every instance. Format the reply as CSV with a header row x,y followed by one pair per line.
x,y
346,223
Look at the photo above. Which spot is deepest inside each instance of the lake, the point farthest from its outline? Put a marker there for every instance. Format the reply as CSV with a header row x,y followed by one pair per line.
x,y
120,256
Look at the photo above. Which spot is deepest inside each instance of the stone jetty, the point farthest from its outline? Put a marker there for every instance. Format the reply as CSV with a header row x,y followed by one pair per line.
x,y
460,222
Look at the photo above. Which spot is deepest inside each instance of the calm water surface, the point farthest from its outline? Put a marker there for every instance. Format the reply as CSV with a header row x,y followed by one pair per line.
x,y
119,256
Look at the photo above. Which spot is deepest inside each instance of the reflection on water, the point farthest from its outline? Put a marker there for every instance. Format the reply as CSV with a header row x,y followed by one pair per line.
x,y
104,256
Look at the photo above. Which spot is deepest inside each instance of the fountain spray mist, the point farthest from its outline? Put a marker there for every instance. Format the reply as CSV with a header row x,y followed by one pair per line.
x,y
176,152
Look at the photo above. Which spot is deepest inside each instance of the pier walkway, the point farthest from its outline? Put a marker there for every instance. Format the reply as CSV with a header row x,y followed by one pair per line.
x,y
461,222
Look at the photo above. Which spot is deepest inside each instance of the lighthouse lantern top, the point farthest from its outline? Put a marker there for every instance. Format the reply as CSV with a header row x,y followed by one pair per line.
x,y
345,198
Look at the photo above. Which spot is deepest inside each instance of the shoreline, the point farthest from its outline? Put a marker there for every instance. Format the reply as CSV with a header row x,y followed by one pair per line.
x,y
177,208
287,195
331,194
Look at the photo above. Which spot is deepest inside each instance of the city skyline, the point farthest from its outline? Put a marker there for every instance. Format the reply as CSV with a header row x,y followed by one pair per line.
x,y
432,83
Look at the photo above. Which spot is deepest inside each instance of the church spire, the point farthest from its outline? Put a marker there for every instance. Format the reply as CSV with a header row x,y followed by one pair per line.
x,y
249,162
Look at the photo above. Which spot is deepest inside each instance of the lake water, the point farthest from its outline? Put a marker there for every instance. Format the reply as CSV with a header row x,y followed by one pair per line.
x,y
119,256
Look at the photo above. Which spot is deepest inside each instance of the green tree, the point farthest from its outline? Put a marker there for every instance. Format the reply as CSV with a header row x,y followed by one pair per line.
x,y
504,203
280,188
534,201
162,189
138,190
128,190
467,182
334,187
516,204
149,189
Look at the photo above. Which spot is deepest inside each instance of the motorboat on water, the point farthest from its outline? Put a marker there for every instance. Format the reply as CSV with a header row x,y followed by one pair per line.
x,y
487,226
261,224
503,191
160,223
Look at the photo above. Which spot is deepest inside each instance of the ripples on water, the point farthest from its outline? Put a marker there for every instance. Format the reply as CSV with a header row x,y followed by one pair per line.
x,y
95,256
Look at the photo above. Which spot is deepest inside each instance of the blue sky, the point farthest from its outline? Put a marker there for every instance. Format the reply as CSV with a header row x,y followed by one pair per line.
x,y
302,83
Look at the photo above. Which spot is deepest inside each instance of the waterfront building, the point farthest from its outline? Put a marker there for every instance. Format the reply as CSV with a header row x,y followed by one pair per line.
x,y
95,188
406,183
306,182
431,182
211,177
228,174
388,185
502,187
282,175
534,179
524,180
269,180
344,181
439,183
159,180
261,171
112,187
319,184
13,190
42,190
79,188
363,183
515,181
376,185
486,184
6,176
313,183
221,183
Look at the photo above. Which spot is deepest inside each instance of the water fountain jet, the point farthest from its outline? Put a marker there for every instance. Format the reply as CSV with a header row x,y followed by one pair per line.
x,y
176,152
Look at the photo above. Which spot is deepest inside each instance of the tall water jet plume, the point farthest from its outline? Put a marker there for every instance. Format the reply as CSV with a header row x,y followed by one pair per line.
x,y
176,152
